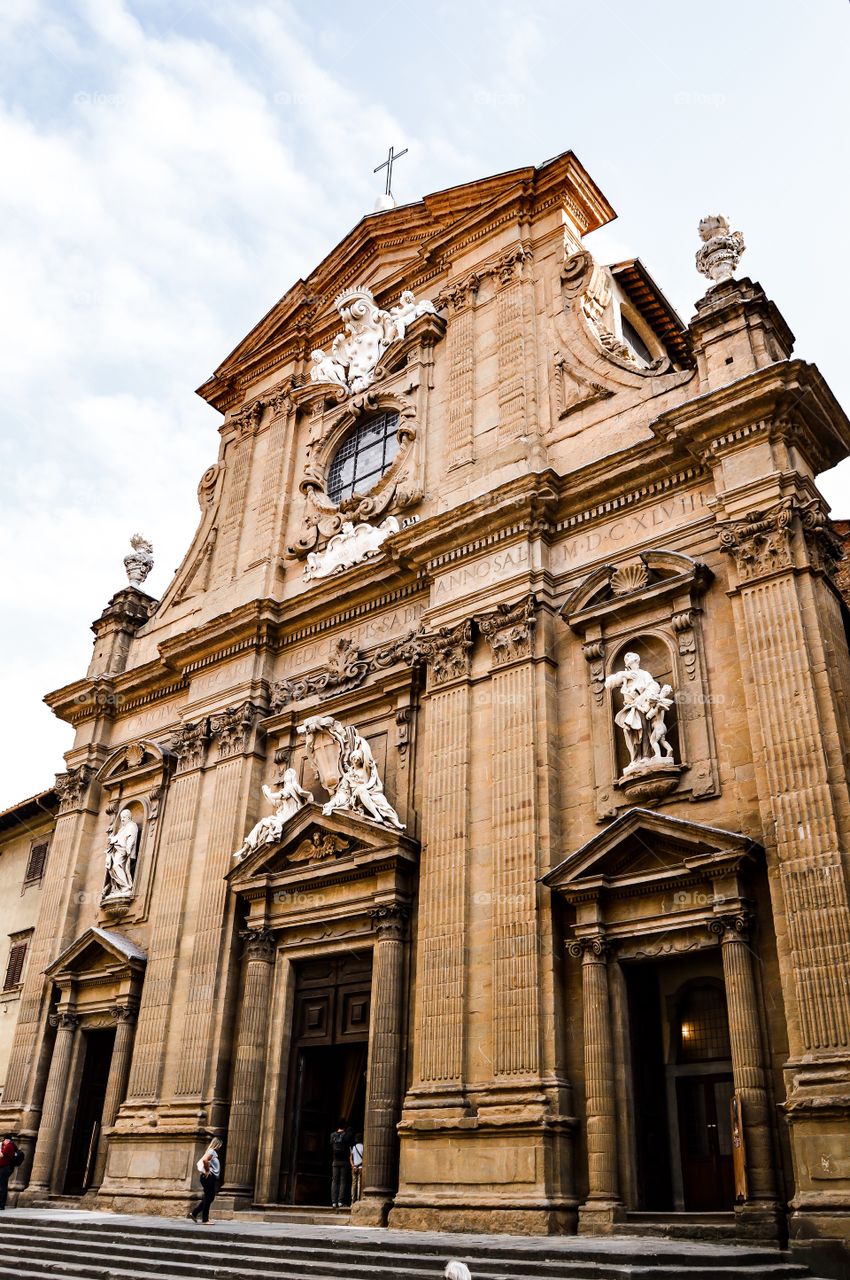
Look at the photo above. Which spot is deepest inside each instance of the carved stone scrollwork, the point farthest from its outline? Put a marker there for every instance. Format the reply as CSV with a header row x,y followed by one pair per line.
x,y
683,625
594,652
390,921
824,547
730,925
71,786
509,630
64,1021
259,944
207,485
455,297
404,721
596,946
189,745
345,669
232,728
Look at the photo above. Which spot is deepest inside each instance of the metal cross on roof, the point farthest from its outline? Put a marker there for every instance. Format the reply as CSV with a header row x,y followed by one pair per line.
x,y
392,156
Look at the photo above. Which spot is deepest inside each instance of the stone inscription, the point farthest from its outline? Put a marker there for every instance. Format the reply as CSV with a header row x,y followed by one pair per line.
x,y
635,527
372,631
484,572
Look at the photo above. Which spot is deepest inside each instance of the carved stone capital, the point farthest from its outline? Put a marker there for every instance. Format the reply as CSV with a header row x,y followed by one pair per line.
x,y
189,745
761,542
259,944
64,1021
461,294
509,630
595,948
390,921
509,266
71,786
445,651
124,1013
247,419
232,728
731,926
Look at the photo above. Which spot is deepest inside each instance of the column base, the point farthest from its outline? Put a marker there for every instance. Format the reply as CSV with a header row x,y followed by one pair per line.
x,y
371,1211
600,1217
235,1199
761,1220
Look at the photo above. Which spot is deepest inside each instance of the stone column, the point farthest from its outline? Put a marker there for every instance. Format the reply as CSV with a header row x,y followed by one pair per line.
x,y
119,1074
249,1070
748,1068
53,1109
383,1093
603,1205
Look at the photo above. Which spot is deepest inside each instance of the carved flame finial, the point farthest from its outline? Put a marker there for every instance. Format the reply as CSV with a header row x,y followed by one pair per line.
x,y
140,560
721,249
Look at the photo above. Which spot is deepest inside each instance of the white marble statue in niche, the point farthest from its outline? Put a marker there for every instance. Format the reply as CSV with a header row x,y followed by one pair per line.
x,y
121,848
286,801
346,768
353,543
642,715
368,331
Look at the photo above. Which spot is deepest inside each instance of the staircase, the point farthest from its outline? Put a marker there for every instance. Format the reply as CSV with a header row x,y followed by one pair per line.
x,y
80,1245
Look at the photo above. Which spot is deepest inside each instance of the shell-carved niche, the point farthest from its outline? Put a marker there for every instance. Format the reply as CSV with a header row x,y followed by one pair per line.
x,y
650,707
396,490
134,780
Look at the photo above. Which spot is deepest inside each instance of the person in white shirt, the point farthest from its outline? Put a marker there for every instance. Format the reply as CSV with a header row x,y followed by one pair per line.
x,y
209,1167
356,1158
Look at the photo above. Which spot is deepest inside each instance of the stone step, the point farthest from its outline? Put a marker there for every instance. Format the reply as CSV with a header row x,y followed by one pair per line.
x,y
83,1246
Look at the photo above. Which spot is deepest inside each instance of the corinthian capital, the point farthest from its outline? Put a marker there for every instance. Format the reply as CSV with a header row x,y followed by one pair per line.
x,y
390,921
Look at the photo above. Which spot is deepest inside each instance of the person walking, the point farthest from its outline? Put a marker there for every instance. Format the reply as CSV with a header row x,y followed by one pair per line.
x,y
10,1158
356,1167
209,1167
340,1164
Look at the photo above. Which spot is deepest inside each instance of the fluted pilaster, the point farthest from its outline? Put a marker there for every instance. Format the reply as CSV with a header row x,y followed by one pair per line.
x,y
119,1074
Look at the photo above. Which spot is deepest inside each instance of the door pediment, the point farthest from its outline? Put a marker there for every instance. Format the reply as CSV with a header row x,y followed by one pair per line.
x,y
643,848
98,953
313,846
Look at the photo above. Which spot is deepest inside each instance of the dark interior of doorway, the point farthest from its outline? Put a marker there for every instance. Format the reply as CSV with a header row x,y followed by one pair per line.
x,y
330,1085
92,1095
682,1082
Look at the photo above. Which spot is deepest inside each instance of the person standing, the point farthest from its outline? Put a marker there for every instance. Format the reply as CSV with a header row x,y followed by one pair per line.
x,y
356,1167
9,1161
340,1164
209,1167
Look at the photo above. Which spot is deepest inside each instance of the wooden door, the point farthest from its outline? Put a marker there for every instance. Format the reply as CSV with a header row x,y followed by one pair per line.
x,y
705,1136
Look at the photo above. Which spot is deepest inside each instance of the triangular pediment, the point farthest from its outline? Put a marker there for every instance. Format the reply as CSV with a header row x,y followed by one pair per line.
x,y
98,951
645,846
311,842
398,248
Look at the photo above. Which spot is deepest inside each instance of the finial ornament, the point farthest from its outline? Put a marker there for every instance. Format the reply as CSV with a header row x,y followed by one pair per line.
x,y
140,560
721,249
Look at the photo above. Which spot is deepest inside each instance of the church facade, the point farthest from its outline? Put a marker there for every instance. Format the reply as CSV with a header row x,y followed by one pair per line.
x,y
481,777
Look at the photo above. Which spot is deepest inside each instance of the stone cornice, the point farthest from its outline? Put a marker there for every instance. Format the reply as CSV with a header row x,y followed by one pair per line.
x,y
787,401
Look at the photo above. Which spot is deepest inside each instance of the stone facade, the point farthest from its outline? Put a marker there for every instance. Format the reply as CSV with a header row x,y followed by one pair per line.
x,y
582,611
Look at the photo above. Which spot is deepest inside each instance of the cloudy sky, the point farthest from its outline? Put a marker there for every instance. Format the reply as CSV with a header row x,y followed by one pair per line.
x,y
168,169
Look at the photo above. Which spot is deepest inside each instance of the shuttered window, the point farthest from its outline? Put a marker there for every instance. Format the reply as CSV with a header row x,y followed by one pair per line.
x,y
15,967
35,864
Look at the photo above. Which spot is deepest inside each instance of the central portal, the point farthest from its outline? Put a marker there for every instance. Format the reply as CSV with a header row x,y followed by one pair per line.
x,y
327,1069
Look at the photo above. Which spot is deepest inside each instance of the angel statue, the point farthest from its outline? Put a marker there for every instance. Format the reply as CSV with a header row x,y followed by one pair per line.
x,y
642,715
346,768
287,801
